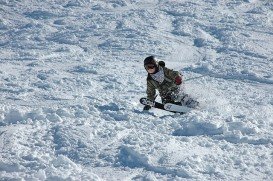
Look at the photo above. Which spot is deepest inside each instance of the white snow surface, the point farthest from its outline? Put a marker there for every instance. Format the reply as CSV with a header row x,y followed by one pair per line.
x,y
71,76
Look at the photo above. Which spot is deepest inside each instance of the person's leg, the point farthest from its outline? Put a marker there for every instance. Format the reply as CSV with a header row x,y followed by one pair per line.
x,y
186,100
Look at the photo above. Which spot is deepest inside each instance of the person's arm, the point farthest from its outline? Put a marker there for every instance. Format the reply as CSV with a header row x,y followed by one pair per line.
x,y
150,94
151,91
174,75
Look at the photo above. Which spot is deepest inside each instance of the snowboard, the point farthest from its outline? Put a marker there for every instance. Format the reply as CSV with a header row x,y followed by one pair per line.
x,y
167,107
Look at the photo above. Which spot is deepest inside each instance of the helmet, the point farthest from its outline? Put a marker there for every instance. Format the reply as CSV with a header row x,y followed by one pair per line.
x,y
150,60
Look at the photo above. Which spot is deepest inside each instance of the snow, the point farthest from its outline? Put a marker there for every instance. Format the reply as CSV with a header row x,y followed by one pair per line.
x,y
72,75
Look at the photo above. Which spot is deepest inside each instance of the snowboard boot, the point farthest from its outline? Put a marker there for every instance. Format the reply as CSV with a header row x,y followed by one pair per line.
x,y
186,100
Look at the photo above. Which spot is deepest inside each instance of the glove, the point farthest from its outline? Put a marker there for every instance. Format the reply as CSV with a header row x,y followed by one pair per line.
x,y
178,80
146,108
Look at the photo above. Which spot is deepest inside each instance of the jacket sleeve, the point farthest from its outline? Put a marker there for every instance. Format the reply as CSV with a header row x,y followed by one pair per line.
x,y
151,90
171,74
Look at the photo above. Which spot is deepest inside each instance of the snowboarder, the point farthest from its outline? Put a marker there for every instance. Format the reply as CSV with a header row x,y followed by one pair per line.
x,y
168,83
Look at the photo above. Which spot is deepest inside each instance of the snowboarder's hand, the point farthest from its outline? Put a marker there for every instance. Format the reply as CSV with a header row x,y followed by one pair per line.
x,y
178,80
146,108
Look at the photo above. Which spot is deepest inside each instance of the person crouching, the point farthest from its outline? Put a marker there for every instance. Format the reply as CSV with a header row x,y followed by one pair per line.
x,y
168,83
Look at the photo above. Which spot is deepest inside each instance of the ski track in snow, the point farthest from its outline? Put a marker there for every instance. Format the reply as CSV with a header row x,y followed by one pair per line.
x,y
72,75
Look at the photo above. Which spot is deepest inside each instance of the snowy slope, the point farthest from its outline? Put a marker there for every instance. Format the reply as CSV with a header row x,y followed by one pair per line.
x,y
71,75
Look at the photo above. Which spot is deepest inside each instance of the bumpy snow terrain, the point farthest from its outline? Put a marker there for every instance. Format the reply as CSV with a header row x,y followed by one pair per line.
x,y
71,76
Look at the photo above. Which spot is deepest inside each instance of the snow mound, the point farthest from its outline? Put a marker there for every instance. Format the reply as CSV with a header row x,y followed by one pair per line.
x,y
130,158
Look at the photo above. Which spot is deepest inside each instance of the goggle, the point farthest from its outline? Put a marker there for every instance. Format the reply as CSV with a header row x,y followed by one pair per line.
x,y
149,66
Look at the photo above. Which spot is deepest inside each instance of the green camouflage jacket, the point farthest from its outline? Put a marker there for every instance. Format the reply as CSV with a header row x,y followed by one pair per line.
x,y
167,86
